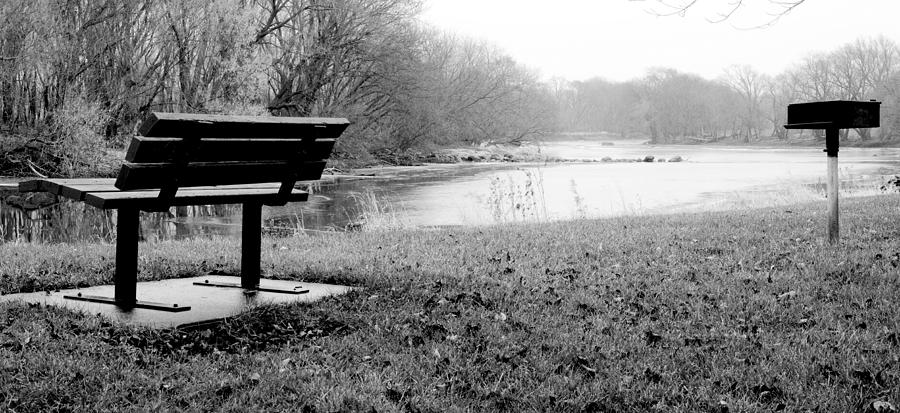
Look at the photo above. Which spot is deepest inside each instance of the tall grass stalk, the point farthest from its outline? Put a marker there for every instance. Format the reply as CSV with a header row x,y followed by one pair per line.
x,y
519,198
580,207
373,213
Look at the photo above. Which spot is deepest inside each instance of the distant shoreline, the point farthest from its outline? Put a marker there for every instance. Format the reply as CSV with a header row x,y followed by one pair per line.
x,y
727,141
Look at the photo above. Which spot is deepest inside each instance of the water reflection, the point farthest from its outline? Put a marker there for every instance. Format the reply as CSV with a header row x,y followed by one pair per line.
x,y
472,194
75,221
67,221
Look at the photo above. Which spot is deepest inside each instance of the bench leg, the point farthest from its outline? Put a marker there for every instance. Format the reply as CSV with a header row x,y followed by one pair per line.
x,y
128,224
251,240
251,245
127,234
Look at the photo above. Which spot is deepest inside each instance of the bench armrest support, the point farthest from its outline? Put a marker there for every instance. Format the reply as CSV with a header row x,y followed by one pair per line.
x,y
187,147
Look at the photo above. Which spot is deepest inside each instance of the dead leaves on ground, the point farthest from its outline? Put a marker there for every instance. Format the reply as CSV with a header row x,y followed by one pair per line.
x,y
257,330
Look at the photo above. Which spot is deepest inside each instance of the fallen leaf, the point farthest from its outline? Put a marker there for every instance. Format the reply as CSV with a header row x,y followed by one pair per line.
x,y
723,407
652,376
864,376
593,407
787,295
767,393
394,395
584,366
435,331
693,341
651,338
413,341
880,406
224,390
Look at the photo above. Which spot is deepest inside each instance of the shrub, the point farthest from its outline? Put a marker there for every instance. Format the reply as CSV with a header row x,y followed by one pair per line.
x,y
78,141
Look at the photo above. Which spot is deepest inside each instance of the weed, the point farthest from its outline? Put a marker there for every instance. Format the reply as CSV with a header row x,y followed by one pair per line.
x,y
580,207
518,198
373,213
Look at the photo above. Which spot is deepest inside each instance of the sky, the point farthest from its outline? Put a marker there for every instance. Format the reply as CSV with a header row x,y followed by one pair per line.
x,y
621,39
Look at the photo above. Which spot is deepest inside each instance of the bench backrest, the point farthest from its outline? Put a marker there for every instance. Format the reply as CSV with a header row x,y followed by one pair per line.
x,y
184,150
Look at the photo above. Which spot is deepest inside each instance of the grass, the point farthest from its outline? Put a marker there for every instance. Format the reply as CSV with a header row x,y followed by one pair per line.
x,y
727,311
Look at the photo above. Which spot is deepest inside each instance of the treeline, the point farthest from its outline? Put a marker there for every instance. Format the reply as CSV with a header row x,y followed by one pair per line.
x,y
78,75
743,104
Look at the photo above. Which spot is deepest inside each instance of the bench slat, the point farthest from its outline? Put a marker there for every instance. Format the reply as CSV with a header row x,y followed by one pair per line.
x,y
148,176
162,150
144,199
63,186
78,188
180,125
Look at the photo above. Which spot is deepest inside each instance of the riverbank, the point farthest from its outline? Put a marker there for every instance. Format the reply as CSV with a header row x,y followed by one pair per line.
x,y
732,311
532,151
489,153
794,140
805,140
526,153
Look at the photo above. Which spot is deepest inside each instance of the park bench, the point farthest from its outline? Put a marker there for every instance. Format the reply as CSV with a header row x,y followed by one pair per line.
x,y
186,159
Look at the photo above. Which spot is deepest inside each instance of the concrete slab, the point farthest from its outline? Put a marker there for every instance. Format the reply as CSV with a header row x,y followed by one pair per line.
x,y
207,303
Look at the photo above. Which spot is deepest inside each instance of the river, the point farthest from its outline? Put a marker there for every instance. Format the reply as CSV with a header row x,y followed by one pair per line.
x,y
593,184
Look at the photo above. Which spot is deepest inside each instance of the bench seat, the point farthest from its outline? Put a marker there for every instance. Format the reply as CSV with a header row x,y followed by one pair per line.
x,y
102,193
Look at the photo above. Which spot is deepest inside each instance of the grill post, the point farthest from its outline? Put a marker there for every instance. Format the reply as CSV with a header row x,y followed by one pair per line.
x,y
832,116
833,185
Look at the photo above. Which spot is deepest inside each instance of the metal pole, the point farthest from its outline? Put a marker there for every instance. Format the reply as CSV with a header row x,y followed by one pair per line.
x,y
833,184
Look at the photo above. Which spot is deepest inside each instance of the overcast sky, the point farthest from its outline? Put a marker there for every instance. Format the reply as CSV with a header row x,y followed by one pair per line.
x,y
621,39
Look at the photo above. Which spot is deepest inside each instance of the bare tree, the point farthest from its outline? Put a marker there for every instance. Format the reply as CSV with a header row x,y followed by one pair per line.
x,y
325,52
862,67
857,71
749,84
469,91
677,105
777,9
777,94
